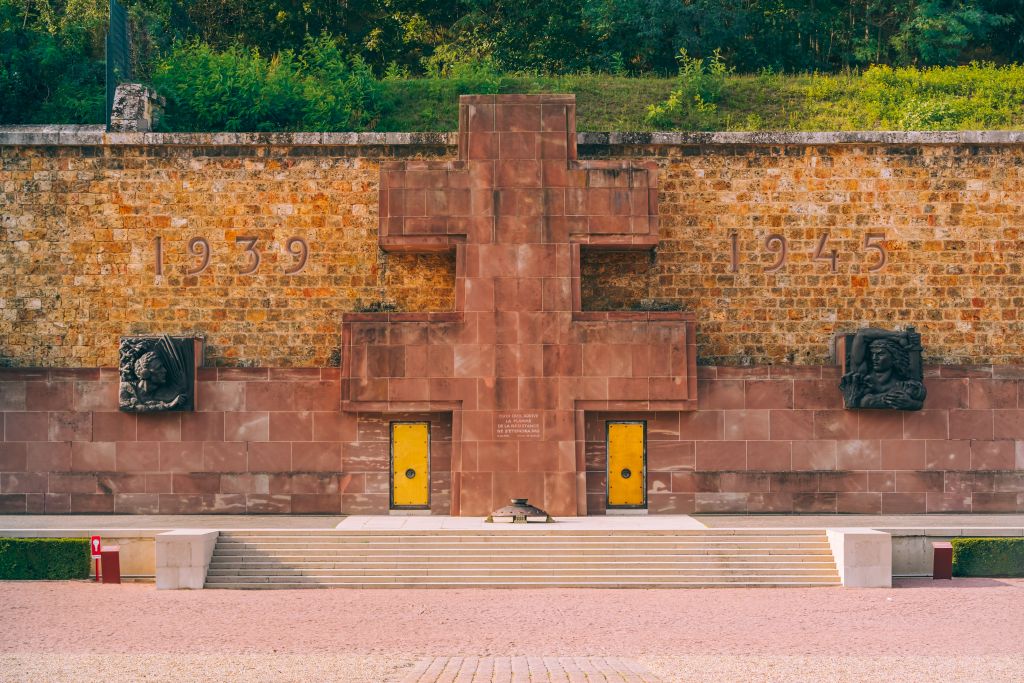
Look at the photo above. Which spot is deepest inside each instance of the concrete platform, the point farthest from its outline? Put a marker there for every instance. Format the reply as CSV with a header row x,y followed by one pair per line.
x,y
569,524
165,522
884,522
654,522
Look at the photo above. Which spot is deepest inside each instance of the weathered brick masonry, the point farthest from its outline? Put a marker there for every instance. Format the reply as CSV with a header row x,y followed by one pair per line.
x,y
80,215
79,221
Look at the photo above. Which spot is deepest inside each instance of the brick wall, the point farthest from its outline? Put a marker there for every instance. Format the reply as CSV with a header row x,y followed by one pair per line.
x,y
952,217
79,222
765,439
78,252
776,439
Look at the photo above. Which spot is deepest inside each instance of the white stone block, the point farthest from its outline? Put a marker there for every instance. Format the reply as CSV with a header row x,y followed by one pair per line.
x,y
863,557
183,558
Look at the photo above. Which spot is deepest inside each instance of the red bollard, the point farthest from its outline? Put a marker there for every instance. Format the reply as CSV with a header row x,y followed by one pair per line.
x,y
942,560
111,564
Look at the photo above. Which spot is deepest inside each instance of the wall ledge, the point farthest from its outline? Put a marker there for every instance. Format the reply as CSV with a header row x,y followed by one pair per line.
x,y
76,135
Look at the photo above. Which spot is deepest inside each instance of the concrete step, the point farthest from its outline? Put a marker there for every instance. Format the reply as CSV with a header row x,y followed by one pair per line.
x,y
500,538
505,537
275,558
513,553
483,577
521,574
504,530
464,547
774,583
417,566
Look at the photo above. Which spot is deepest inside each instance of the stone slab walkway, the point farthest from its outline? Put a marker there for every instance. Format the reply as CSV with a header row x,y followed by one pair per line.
x,y
529,670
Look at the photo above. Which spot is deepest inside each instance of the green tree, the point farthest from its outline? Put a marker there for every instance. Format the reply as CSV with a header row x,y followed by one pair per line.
x,y
938,32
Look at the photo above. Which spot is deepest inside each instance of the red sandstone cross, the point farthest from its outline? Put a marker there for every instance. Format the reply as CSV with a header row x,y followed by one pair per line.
x,y
518,352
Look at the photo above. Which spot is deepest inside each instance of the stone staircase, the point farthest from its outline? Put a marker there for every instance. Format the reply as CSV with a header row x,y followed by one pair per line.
x,y
526,557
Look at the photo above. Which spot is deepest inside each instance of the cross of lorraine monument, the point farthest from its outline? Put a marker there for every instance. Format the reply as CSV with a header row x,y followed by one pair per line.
x,y
518,362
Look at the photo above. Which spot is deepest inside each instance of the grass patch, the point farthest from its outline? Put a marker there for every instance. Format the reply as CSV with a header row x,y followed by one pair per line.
x,y
44,558
988,556
950,98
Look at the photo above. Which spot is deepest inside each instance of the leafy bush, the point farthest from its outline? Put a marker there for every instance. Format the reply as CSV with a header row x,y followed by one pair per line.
x,y
240,90
693,104
938,98
44,558
988,556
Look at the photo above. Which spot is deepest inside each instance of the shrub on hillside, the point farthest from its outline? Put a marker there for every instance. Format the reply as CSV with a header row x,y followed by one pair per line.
x,y
692,105
942,98
240,90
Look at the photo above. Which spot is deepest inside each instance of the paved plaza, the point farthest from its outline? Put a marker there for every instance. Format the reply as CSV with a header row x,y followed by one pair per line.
x,y
964,630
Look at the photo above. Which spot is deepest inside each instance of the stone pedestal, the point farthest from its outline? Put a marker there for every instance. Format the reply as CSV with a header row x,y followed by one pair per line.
x,y
136,109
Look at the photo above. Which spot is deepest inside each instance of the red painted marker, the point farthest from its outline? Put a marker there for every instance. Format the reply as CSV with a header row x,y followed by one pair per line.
x,y
96,546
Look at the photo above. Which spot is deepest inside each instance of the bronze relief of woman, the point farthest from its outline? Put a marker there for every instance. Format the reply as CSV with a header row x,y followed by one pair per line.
x,y
884,370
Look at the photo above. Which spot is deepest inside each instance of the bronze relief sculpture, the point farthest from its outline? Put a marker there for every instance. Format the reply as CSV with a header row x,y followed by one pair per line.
x,y
157,374
882,369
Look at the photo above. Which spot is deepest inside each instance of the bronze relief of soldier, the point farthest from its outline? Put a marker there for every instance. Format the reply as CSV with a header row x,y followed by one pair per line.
x,y
883,370
156,374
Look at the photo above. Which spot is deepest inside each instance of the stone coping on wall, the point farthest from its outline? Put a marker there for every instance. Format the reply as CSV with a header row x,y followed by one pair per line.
x,y
77,135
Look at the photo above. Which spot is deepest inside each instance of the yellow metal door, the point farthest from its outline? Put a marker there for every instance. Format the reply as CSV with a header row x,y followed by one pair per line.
x,y
626,464
410,460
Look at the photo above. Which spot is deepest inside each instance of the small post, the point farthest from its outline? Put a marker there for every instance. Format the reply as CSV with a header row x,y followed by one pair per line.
x,y
942,560
96,547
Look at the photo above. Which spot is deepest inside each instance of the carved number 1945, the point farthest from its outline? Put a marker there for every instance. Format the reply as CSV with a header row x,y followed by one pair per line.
x,y
778,245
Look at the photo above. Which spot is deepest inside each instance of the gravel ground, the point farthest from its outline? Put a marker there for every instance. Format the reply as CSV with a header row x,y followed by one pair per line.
x,y
967,629
215,668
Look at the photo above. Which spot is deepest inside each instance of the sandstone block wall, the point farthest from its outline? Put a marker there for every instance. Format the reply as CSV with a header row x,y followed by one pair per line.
x,y
80,217
273,441
778,440
261,441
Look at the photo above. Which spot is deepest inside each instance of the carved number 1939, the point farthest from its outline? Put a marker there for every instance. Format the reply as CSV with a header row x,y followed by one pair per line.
x,y
199,248
778,245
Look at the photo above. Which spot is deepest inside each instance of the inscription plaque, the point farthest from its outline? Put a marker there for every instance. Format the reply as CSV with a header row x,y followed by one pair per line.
x,y
517,425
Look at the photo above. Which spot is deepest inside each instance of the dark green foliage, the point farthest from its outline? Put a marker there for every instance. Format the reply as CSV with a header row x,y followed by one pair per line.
x,y
988,556
378,306
240,65
44,558
51,67
657,305
239,89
